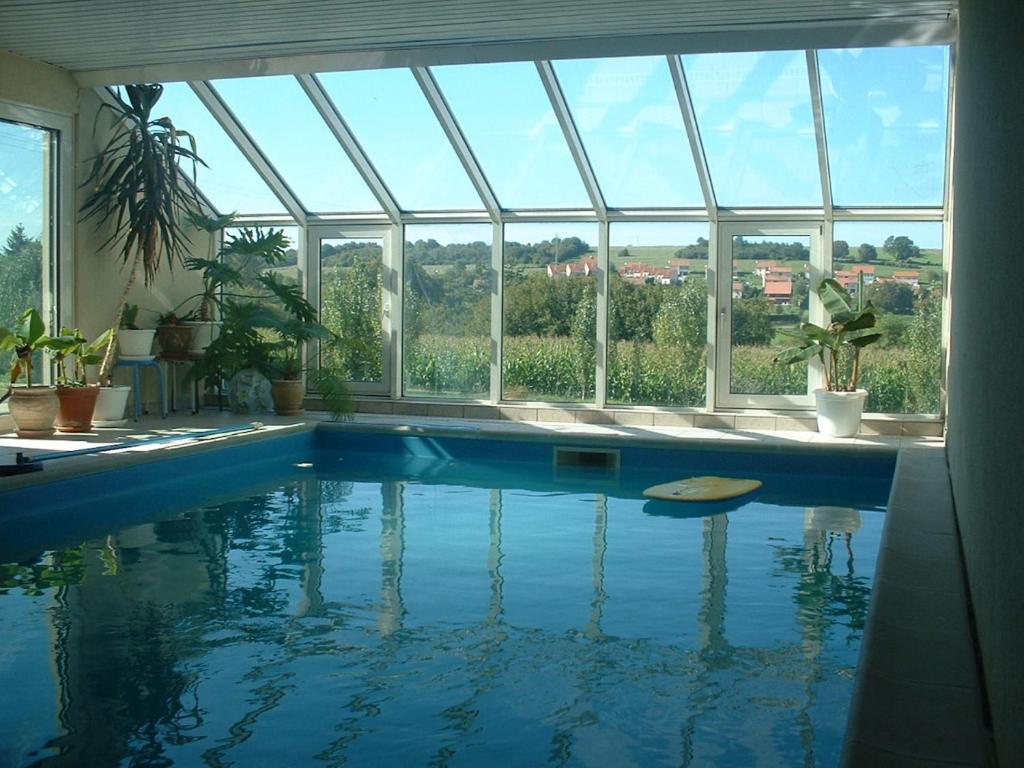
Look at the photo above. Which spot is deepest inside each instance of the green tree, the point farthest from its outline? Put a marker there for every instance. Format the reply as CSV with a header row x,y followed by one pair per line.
x,y
682,319
896,298
751,322
840,249
901,248
867,252
21,276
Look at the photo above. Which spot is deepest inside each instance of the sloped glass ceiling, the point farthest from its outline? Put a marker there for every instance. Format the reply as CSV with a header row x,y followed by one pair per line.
x,y
388,112
757,126
628,117
508,120
280,117
885,122
227,179
884,111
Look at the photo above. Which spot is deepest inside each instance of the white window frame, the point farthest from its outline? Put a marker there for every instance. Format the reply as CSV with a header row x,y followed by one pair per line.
x,y
726,231
58,212
391,305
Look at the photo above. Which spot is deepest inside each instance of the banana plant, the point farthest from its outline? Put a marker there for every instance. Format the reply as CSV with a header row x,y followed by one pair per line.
x,y
28,337
851,327
72,344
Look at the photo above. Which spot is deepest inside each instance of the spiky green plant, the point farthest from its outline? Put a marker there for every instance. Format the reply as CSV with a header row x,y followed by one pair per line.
x,y
138,190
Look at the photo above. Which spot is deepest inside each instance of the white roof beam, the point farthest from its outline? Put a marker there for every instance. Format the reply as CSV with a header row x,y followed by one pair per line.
x,y
250,149
814,79
337,125
572,137
453,131
675,65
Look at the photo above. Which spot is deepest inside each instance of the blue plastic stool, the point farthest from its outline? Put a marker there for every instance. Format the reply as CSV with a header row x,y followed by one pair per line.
x,y
137,366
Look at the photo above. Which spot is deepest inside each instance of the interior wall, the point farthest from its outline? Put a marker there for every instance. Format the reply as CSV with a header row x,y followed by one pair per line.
x,y
985,411
34,84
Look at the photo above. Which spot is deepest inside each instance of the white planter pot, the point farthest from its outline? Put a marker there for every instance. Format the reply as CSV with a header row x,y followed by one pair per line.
x,y
110,406
203,332
135,343
839,412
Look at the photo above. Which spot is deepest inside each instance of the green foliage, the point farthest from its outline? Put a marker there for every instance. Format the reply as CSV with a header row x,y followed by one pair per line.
x,y
130,316
896,298
840,249
901,248
136,185
60,568
851,328
751,322
72,344
457,366
21,281
352,312
682,318
27,338
867,252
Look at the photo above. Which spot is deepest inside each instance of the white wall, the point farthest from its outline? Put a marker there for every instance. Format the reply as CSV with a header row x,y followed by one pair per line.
x,y
986,412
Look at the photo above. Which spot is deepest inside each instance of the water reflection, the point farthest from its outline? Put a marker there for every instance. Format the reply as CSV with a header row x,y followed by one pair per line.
x,y
277,628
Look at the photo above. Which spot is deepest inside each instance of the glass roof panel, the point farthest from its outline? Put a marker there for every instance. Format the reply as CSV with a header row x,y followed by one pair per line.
x,y
628,117
228,180
885,124
279,116
508,120
755,119
395,125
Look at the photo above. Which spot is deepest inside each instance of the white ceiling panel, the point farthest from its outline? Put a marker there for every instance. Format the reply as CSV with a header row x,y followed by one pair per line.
x,y
106,41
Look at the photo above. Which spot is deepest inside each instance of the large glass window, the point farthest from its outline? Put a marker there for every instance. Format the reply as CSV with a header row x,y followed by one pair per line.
x,y
390,116
284,123
227,179
657,314
27,156
352,308
901,262
885,122
447,311
507,118
549,316
627,114
757,126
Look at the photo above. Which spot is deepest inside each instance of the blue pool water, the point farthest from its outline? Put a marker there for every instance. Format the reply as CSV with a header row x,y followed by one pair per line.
x,y
357,599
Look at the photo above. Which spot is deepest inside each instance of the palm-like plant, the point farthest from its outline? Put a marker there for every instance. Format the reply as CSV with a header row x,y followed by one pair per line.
x,y
138,188
851,328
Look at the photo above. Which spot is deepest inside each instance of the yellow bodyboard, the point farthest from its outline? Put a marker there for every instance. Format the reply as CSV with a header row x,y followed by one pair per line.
x,y
705,488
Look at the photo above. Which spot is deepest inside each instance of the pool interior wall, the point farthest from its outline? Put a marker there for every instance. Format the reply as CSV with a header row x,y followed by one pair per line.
x,y
83,504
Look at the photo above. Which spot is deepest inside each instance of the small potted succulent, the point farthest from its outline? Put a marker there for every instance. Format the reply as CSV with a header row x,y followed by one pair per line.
x,y
76,396
134,343
851,328
33,407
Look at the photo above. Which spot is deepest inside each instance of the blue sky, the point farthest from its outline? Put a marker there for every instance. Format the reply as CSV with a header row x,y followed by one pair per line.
x,y
21,179
885,117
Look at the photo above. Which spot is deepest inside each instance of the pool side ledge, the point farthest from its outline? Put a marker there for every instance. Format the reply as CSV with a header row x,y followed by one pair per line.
x,y
917,697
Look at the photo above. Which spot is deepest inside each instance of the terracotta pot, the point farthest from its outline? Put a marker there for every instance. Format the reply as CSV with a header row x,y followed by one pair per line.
x,y
33,410
288,395
174,339
76,408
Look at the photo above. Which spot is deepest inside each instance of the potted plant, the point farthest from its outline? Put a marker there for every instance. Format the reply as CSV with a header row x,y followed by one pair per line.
x,y
838,345
292,325
134,343
138,189
76,396
173,334
216,275
33,407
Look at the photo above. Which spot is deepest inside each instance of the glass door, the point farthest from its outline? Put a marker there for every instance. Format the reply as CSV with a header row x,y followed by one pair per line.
x,y
355,302
765,282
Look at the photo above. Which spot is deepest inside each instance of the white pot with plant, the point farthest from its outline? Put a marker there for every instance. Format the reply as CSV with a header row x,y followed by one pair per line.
x,y
851,328
134,343
33,407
